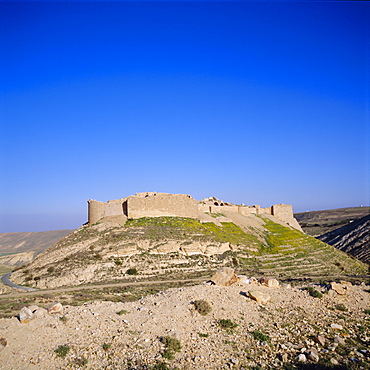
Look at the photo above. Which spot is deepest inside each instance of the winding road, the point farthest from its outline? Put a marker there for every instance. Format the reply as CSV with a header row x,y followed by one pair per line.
x,y
6,281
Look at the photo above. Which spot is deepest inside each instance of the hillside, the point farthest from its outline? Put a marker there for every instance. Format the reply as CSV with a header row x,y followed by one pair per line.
x,y
316,223
20,248
179,248
353,238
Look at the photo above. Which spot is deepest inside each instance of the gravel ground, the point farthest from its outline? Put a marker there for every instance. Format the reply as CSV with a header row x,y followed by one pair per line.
x,y
292,328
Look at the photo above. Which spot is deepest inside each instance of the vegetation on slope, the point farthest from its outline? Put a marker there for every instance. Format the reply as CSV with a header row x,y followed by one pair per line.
x,y
94,253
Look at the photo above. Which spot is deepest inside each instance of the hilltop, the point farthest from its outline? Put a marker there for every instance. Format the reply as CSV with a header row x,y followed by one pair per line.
x,y
180,248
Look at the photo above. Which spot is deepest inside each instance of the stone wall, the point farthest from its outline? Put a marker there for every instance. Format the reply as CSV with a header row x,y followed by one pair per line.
x,y
162,204
284,212
144,205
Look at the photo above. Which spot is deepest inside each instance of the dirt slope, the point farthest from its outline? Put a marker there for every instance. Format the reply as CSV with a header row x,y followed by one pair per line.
x,y
316,223
353,238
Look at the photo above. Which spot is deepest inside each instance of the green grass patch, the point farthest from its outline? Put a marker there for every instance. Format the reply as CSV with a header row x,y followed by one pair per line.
x,y
62,351
227,324
202,306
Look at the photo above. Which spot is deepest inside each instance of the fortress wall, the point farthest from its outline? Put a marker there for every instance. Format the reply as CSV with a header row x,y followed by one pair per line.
x,y
284,212
245,210
204,208
96,211
265,211
114,208
162,204
220,209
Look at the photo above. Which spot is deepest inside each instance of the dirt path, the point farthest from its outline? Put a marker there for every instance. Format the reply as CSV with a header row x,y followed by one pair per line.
x,y
87,287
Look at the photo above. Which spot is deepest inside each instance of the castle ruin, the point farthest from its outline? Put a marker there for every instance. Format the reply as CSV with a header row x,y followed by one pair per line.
x,y
153,204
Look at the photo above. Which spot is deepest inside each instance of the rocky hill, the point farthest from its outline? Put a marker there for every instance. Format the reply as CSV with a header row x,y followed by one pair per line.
x,y
20,248
180,248
316,223
353,238
198,327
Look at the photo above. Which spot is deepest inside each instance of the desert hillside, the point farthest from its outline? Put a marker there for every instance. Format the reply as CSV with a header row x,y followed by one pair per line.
x,y
353,238
316,223
19,248
180,248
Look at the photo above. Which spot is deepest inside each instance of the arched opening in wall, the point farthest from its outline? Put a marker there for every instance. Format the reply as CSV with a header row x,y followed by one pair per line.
x,y
124,208
221,204
216,203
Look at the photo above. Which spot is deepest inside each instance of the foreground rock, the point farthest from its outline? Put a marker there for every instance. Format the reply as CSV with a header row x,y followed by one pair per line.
x,y
293,328
224,277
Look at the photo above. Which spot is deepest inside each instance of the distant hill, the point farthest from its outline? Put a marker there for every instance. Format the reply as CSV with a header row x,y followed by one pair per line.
x,y
353,238
20,248
317,223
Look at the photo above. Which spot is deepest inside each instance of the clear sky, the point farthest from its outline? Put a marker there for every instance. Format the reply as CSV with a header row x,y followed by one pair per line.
x,y
251,102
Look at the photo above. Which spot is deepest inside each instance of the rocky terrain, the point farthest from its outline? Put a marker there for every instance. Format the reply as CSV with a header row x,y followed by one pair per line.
x,y
316,223
353,238
180,248
247,325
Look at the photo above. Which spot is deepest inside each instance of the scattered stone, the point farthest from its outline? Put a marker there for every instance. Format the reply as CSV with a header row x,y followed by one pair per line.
x,y
272,283
339,340
3,343
313,355
332,293
301,358
320,340
338,288
224,277
55,308
334,361
336,326
25,315
259,296
333,347
234,361
284,357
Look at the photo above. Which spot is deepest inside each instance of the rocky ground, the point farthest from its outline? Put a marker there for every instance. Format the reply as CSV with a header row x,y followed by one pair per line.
x,y
293,329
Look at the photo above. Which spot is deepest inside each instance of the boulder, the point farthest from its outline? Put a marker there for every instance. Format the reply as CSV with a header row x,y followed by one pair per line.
x,y
301,358
55,308
25,315
224,277
272,283
313,355
338,288
259,296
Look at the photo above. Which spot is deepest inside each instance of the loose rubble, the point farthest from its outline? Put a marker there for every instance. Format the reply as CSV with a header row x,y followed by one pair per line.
x,y
289,327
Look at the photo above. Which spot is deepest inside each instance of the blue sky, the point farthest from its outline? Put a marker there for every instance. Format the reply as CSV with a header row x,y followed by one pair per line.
x,y
251,102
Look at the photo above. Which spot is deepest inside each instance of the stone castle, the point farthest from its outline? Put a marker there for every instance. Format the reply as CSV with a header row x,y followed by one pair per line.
x,y
153,204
